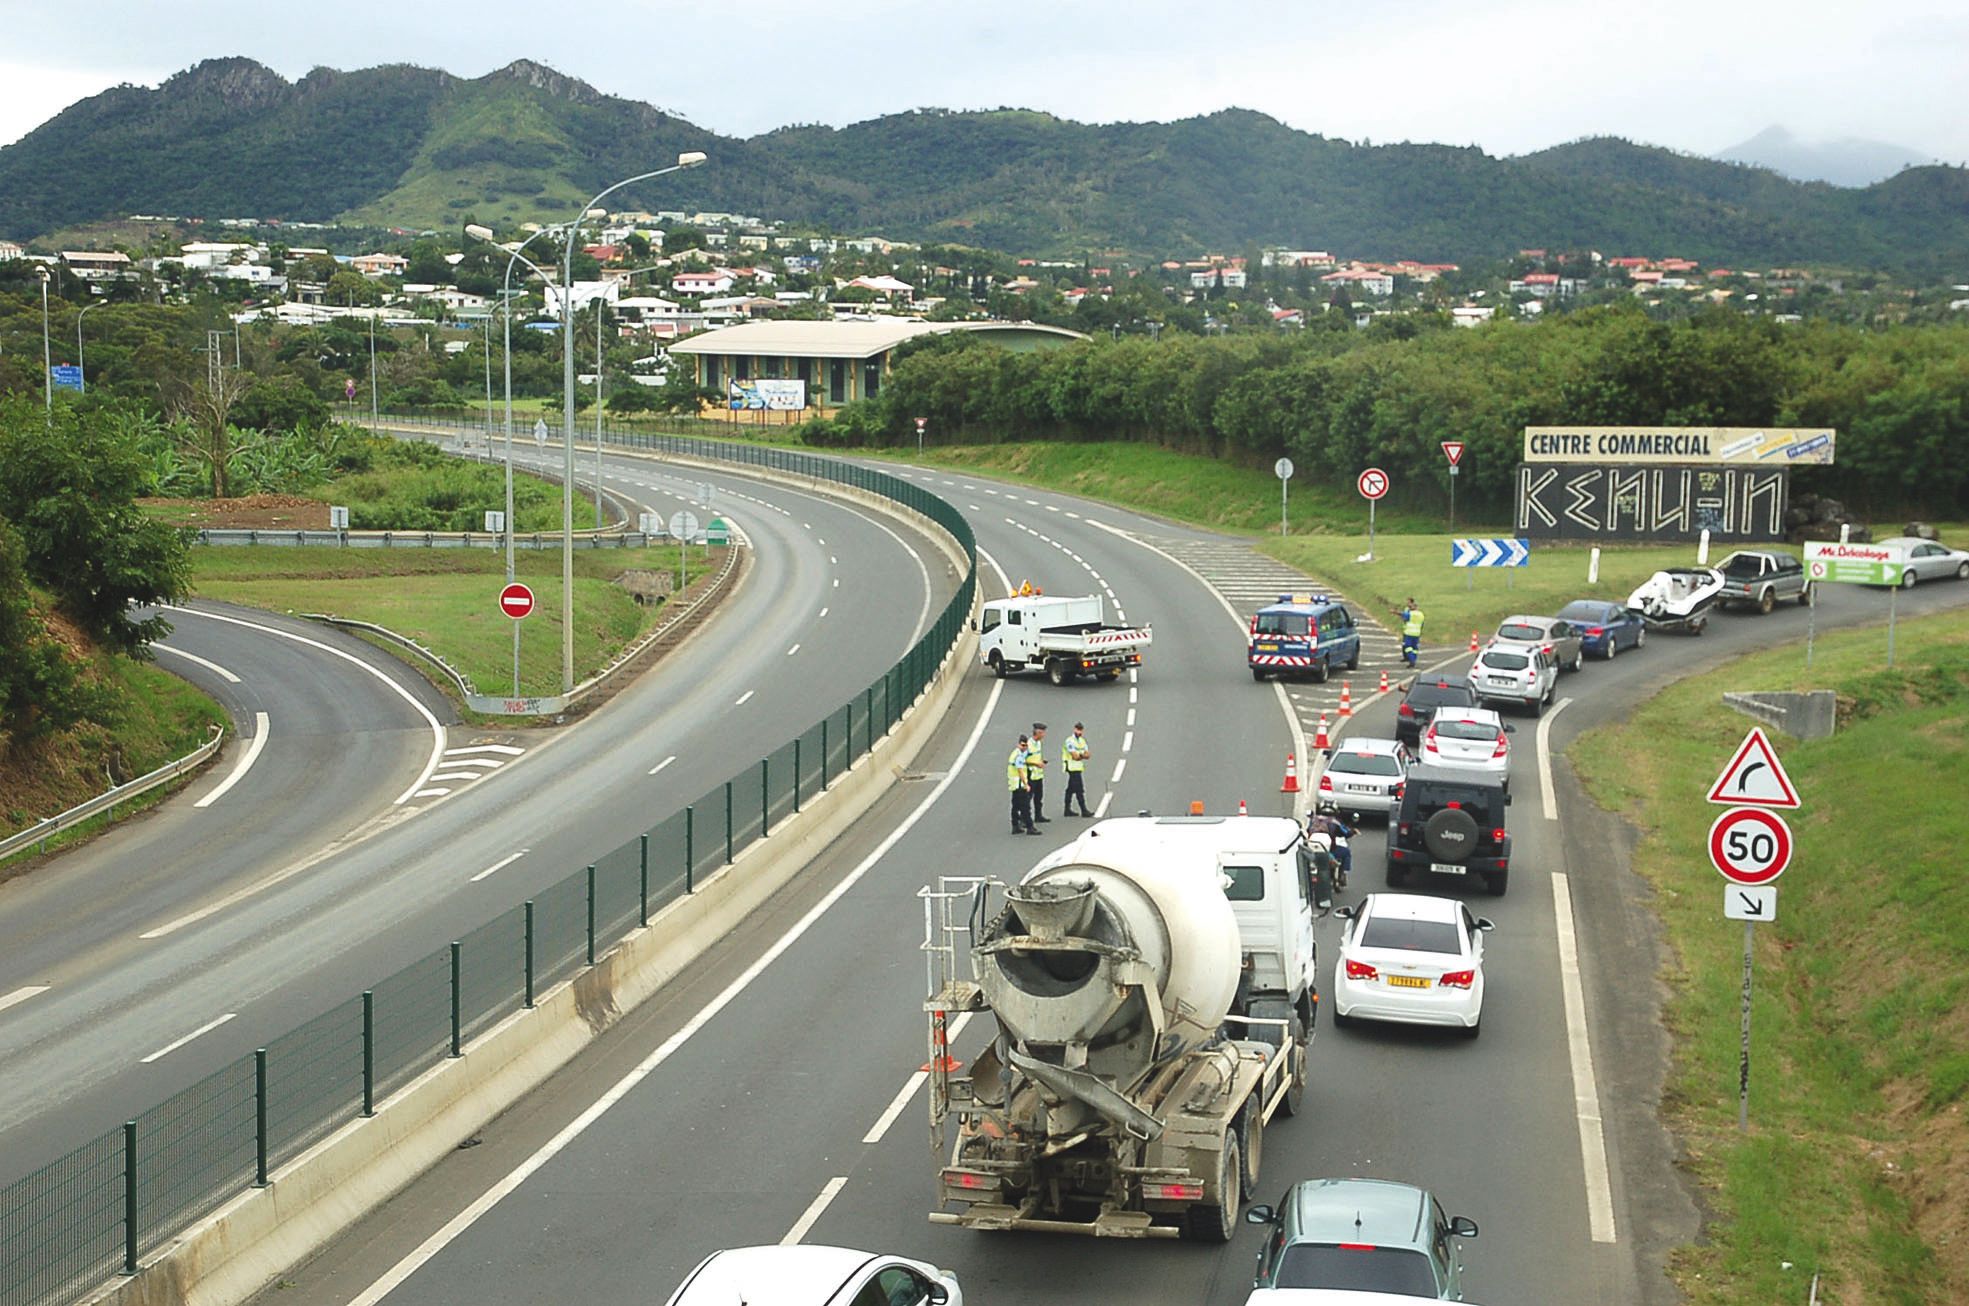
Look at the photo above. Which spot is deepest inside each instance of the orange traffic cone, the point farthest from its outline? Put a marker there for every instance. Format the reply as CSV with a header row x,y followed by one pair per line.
x,y
1291,785
1473,641
1320,741
1384,680
1346,698
940,1058
1240,808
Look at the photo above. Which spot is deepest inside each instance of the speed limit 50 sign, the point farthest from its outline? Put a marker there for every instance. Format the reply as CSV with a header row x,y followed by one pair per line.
x,y
1750,845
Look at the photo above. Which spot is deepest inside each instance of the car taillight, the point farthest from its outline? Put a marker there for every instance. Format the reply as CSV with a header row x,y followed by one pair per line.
x,y
1497,835
1453,803
1254,625
1360,970
1547,649
1594,632
1326,783
1457,979
1502,748
1177,1192
1407,710
1531,675
1401,788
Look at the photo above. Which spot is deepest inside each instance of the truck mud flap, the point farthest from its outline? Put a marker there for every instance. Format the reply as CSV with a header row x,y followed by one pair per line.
x,y
1108,1224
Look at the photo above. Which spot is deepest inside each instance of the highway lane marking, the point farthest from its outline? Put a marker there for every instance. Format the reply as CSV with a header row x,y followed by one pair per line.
x,y
435,792
1128,738
507,749
22,994
1545,761
1120,765
665,762
795,649
498,866
173,1046
1585,1088
914,1082
740,702
1131,694
447,777
1101,808
823,612
418,1256
196,660
1074,515
974,507
437,727
837,562
837,582
245,763
1131,717
489,763
818,540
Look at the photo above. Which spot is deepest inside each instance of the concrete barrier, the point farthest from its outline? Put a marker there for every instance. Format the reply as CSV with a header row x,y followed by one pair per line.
x,y
1810,715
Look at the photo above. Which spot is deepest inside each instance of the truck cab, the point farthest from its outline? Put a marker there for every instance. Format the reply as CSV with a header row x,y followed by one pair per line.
x,y
1302,634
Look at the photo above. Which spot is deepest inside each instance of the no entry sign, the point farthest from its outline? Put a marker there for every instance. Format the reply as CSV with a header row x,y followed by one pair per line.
x,y
516,600
1373,483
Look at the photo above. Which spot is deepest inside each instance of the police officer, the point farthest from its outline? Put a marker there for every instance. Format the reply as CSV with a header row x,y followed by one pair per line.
x,y
1073,760
1036,772
1016,781
1411,631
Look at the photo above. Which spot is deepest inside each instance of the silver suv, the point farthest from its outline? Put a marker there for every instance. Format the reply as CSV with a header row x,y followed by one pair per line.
x,y
1526,674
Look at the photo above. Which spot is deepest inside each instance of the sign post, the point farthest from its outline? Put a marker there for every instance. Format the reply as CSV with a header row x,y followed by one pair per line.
x,y
1283,470
921,422
516,601
1848,563
1452,450
1372,483
683,525
540,432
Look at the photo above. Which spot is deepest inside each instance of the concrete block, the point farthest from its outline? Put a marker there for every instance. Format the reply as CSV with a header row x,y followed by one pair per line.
x,y
1808,715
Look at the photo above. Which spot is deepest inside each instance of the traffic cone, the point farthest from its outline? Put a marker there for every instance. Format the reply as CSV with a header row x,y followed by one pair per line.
x,y
1384,680
1291,785
1320,741
1346,698
940,1058
1473,641
1240,808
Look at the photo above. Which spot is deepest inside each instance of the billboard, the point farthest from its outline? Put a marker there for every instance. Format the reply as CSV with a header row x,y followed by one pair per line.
x,y
774,396
1734,446
1595,504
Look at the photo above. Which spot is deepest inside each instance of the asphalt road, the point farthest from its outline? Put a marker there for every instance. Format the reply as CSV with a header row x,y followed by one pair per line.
x,y
757,1099
281,930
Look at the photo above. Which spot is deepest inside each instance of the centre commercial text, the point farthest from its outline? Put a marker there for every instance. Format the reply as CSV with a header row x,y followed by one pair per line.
x,y
1713,445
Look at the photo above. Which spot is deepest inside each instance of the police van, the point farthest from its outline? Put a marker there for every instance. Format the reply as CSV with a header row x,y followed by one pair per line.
x,y
1303,635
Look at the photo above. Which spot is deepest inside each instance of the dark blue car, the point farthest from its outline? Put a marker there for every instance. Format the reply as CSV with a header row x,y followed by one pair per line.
x,y
1604,628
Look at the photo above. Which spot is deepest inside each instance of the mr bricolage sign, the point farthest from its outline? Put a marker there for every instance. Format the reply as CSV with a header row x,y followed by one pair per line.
x,y
1678,444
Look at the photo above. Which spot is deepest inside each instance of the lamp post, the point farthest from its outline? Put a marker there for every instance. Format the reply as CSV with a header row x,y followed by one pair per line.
x,y
47,352
600,306
688,159
81,371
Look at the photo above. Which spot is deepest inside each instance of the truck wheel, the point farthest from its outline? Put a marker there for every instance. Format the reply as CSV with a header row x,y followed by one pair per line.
x,y
1252,1134
1258,674
1216,1222
1295,1096
1056,671
1766,601
997,665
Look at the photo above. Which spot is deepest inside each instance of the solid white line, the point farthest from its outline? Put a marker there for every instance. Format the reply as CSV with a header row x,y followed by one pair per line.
x,y
1101,808
245,763
169,1048
1545,793
466,1218
795,649
1585,1089
196,660
888,1117
22,994
742,697
437,728
507,749
497,866
1120,765
665,762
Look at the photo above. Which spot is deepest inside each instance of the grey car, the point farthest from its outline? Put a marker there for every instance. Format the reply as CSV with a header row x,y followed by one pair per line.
x,y
1559,637
1928,560
1365,1234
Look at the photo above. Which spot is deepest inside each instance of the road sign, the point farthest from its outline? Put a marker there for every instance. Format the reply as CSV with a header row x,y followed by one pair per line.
x,y
1855,564
349,389
1282,469
719,531
495,521
540,430
1489,553
67,376
649,523
516,600
1754,777
1453,450
1750,902
1750,845
1373,483
338,518
921,422
683,526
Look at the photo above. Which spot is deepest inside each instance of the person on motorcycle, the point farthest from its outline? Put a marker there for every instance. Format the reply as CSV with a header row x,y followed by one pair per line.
x,y
1337,833
1317,865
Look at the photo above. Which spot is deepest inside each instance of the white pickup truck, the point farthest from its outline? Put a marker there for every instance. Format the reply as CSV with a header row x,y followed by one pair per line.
x,y
1067,637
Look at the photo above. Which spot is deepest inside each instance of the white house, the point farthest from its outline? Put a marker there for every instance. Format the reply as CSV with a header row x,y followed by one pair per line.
x,y
380,265
583,294
886,286
97,265
1234,278
1366,281
206,254
635,310
9,250
715,282
1470,315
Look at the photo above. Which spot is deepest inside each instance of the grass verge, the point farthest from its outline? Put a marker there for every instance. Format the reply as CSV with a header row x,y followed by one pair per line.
x,y
446,600
1855,1163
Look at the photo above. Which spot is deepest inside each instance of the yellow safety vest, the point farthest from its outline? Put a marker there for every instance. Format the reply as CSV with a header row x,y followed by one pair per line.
x,y
1036,760
1015,770
1073,753
1412,624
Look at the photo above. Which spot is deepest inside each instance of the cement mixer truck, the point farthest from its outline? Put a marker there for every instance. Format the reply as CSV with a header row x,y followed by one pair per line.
x,y
1146,1033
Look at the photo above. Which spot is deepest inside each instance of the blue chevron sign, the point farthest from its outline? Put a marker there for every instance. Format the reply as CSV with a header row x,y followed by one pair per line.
x,y
1489,553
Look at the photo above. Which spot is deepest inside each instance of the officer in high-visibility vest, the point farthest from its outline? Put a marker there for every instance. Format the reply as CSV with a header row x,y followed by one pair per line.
x,y
1036,772
1411,631
1016,781
1073,760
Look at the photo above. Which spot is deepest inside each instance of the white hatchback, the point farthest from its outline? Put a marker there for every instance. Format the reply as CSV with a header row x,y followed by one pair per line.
x,y
1471,739
802,1275
1412,960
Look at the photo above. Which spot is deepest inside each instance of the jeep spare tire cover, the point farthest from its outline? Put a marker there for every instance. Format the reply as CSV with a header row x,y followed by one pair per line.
x,y
1450,835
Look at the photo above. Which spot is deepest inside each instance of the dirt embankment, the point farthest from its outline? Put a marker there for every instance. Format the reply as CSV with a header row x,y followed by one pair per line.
x,y
287,512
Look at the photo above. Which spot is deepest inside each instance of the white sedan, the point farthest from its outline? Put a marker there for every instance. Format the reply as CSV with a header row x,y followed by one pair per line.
x,y
1412,960
800,1275
1927,560
1471,738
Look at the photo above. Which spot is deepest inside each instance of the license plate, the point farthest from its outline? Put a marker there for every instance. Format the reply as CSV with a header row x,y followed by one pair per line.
x,y
1503,684
1447,868
1362,789
1408,981
1268,648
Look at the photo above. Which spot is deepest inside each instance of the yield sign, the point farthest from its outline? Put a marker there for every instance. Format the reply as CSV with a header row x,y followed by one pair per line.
x,y
1754,777
1453,450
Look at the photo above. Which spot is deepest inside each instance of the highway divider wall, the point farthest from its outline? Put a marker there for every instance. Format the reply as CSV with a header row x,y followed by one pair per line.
x,y
208,1195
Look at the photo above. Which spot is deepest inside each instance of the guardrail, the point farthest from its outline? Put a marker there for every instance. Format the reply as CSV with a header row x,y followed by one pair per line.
x,y
108,1204
241,536
102,802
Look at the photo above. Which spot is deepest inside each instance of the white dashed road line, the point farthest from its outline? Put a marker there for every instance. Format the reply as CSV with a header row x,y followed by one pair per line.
x,y
1120,765
498,866
795,649
171,1047
22,994
740,702
665,762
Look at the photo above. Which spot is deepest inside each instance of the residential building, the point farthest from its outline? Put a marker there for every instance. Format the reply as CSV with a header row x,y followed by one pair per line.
x,y
207,254
379,265
97,265
1233,278
717,281
9,250
582,294
1471,315
1367,280
886,286
1545,285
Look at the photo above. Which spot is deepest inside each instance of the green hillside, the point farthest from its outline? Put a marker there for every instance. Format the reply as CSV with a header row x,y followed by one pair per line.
x,y
415,147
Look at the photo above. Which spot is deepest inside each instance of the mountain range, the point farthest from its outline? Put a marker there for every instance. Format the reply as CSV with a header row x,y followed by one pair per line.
x,y
1848,161
417,147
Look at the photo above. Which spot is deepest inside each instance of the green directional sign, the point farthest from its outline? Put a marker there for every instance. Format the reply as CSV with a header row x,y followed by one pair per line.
x,y
1854,564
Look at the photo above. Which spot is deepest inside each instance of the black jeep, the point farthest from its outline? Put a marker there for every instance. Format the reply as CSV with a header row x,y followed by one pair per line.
x,y
1451,822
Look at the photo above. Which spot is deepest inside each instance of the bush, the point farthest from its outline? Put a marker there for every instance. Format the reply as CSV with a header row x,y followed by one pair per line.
x,y
634,398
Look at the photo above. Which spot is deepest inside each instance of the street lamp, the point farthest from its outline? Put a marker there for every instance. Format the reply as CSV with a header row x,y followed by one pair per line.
x,y
47,353
688,159
81,371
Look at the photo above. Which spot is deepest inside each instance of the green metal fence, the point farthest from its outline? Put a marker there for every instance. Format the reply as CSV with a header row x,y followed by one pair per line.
x,y
102,1207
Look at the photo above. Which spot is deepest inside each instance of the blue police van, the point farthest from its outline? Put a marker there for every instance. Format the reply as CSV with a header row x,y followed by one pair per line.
x,y
1303,635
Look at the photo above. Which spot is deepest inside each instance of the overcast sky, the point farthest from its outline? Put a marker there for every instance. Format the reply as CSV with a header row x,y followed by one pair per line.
x,y
1507,75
